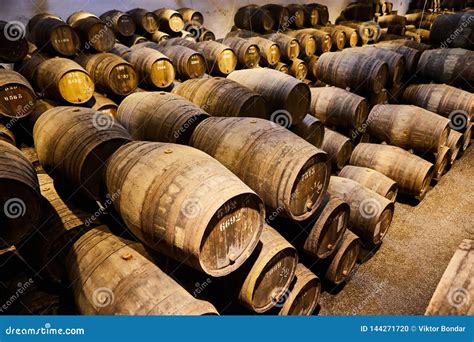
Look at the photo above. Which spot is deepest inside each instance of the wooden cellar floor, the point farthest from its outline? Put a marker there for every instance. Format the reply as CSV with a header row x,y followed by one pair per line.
x,y
402,276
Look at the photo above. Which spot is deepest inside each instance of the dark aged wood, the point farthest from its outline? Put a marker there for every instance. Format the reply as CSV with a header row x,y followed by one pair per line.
x,y
338,147
279,14
460,25
311,130
122,23
7,135
253,18
95,34
17,97
344,260
191,15
13,43
169,20
145,21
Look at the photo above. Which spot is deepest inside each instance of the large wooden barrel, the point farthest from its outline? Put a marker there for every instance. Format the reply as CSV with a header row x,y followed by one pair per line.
x,y
145,21
94,33
252,147
7,135
41,106
289,46
338,107
322,38
412,56
303,294
122,23
352,38
248,54
442,99
455,144
307,43
111,73
17,97
355,71
191,15
253,18
311,130
453,295
223,97
344,260
58,78
75,142
19,196
270,53
371,179
103,104
153,68
211,226
370,215
453,30
368,31
221,59
169,20
53,34
412,173
442,160
279,14
338,147
446,66
298,69
323,13
110,276
312,63
338,36
13,44
409,127
159,116
288,98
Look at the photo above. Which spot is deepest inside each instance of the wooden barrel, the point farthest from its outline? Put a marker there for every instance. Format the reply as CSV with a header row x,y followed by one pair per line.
x,y
391,20
369,31
376,99
387,7
300,170
344,260
338,107
211,226
17,97
103,104
270,52
41,106
282,67
153,68
145,21
223,97
111,73
75,142
409,127
467,135
221,59
253,18
455,143
453,30
122,23
453,295
312,63
395,61
412,173
370,215
7,135
442,99
338,36
53,35
298,69
287,98
30,154
19,196
323,13
442,160
409,43
338,147
356,71
352,38
303,294
279,14
169,21
94,33
311,130
248,54
445,66
159,116
296,16
132,40
371,179
323,39
412,56
191,15
13,44
159,36
307,43
110,276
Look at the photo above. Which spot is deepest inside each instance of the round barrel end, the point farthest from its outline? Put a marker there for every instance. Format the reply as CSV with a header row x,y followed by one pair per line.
x,y
123,79
426,183
383,224
16,100
226,62
126,26
162,73
344,260
176,22
76,87
196,66
310,46
297,102
101,38
353,39
273,55
65,40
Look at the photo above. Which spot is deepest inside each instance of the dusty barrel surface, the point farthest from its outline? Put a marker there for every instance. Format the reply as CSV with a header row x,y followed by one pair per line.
x,y
103,104
223,97
412,173
371,214
338,147
145,21
282,92
270,53
58,78
248,54
211,226
19,196
289,46
75,142
311,130
111,73
252,148
169,20
253,18
338,107
303,295
94,33
13,44
53,34
17,97
412,57
459,25
355,71
110,276
122,23
344,260
409,127
191,15
446,65
371,179
322,38
159,116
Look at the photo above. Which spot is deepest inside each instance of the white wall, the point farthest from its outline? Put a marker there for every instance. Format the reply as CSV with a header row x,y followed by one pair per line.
x,y
218,14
